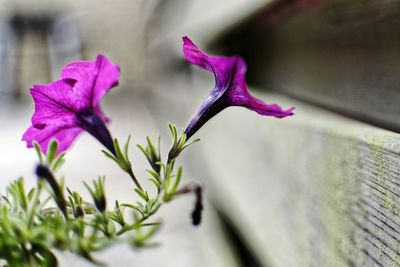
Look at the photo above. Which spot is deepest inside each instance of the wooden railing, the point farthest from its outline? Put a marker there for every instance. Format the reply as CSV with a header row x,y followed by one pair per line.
x,y
326,189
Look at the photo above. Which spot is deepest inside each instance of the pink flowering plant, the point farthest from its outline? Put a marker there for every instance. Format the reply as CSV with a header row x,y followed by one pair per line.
x,y
36,222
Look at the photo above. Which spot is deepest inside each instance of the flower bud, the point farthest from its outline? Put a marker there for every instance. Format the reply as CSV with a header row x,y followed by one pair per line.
x,y
43,172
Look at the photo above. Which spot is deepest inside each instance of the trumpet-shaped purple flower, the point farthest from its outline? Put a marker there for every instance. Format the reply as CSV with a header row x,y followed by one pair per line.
x,y
66,107
230,88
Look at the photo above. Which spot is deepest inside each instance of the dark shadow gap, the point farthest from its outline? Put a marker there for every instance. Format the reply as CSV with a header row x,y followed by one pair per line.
x,y
243,253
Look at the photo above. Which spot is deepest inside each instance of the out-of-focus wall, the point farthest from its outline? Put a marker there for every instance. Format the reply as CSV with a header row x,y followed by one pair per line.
x,y
115,28
140,35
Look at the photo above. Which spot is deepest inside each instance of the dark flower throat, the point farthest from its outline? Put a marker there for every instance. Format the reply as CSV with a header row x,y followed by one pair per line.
x,y
93,124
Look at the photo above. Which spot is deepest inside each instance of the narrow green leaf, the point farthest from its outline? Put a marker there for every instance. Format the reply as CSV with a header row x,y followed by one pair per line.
x,y
142,149
58,162
133,207
101,185
154,174
52,151
109,155
111,227
168,175
7,200
177,179
69,191
140,205
31,193
155,208
39,152
182,141
151,203
120,158
71,202
156,183
174,133
191,143
77,198
159,146
145,152
127,147
153,152
118,150
142,194
150,224
89,189
127,205
21,194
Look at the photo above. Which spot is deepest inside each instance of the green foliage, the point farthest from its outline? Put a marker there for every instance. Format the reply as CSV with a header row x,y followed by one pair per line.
x,y
98,193
122,160
178,144
153,156
30,230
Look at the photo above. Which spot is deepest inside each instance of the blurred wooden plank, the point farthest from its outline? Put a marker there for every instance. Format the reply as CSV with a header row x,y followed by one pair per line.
x,y
316,189
341,54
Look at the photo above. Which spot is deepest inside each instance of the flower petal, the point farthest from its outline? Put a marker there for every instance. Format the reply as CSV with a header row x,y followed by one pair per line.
x,y
238,94
55,104
267,109
65,137
94,78
221,66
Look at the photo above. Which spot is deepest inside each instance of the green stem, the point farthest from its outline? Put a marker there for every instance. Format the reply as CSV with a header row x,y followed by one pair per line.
x,y
138,223
130,172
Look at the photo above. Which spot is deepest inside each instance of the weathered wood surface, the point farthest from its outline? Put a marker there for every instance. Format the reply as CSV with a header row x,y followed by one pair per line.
x,y
316,189
340,54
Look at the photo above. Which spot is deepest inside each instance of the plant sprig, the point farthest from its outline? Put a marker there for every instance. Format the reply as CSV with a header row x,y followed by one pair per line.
x,y
30,229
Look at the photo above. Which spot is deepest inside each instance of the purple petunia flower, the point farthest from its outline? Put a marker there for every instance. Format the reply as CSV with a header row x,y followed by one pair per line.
x,y
230,88
66,107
